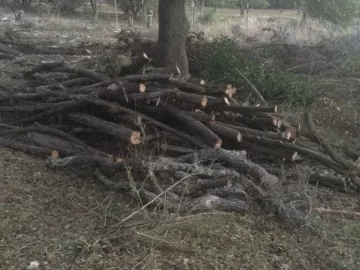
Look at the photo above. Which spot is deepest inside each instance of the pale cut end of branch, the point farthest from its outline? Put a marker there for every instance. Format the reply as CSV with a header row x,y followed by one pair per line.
x,y
226,101
119,160
275,109
230,91
290,133
204,101
54,154
294,156
218,143
239,137
135,137
142,88
113,87
202,82
275,122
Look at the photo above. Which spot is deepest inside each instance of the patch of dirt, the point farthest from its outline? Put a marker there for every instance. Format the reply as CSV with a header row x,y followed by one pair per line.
x,y
65,222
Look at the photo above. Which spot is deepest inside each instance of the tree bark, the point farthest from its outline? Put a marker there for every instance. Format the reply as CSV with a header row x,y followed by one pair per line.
x,y
173,30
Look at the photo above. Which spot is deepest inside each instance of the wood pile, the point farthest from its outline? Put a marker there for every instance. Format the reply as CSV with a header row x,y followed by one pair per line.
x,y
168,140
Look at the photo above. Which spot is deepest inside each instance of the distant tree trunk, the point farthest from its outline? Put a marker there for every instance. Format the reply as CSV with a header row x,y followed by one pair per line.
x,y
131,19
173,31
242,9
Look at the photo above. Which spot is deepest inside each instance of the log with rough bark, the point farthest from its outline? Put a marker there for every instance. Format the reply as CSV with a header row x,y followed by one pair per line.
x,y
210,137
121,132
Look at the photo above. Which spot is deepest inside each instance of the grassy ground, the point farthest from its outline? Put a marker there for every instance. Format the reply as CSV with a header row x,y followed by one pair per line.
x,y
66,222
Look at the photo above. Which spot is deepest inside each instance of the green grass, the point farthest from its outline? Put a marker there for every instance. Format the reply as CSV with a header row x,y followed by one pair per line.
x,y
224,58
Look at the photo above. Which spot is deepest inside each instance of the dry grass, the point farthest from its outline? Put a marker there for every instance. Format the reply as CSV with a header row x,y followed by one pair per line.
x,y
63,221
283,26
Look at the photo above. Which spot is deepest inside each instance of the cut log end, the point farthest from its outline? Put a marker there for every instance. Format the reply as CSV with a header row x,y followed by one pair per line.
x,y
239,137
218,143
142,88
113,87
204,101
135,137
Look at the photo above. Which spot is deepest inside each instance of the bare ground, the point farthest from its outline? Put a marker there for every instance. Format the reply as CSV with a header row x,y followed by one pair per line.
x,y
64,222
67,222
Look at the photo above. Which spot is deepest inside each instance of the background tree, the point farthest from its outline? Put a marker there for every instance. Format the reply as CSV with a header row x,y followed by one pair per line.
x,y
340,12
173,31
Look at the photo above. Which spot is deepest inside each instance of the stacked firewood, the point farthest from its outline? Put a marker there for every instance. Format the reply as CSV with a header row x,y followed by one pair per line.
x,y
154,135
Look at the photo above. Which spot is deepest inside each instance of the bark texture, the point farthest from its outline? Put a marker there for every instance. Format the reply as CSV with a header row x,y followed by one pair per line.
x,y
173,30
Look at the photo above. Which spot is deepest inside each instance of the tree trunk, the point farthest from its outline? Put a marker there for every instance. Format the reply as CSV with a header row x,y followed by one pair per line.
x,y
242,9
173,31
131,20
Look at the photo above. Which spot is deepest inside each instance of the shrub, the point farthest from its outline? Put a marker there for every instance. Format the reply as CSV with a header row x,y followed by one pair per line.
x,y
210,16
224,58
351,65
65,6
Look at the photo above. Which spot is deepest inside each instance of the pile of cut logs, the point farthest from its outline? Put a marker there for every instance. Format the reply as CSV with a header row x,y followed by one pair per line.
x,y
167,139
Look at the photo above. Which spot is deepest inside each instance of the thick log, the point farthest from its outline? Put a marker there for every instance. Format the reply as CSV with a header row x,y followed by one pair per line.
x,y
85,164
45,67
202,117
82,72
254,121
43,129
72,82
66,107
26,148
21,96
146,77
224,131
146,96
199,100
210,137
116,108
188,87
242,109
32,108
268,151
123,133
63,147
266,134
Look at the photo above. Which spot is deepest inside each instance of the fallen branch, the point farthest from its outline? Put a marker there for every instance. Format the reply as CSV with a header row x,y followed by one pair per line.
x,y
252,87
337,212
121,132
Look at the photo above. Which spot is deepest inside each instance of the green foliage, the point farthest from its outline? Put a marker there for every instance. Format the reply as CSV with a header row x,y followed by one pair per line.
x,y
65,6
351,64
340,12
224,57
209,16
